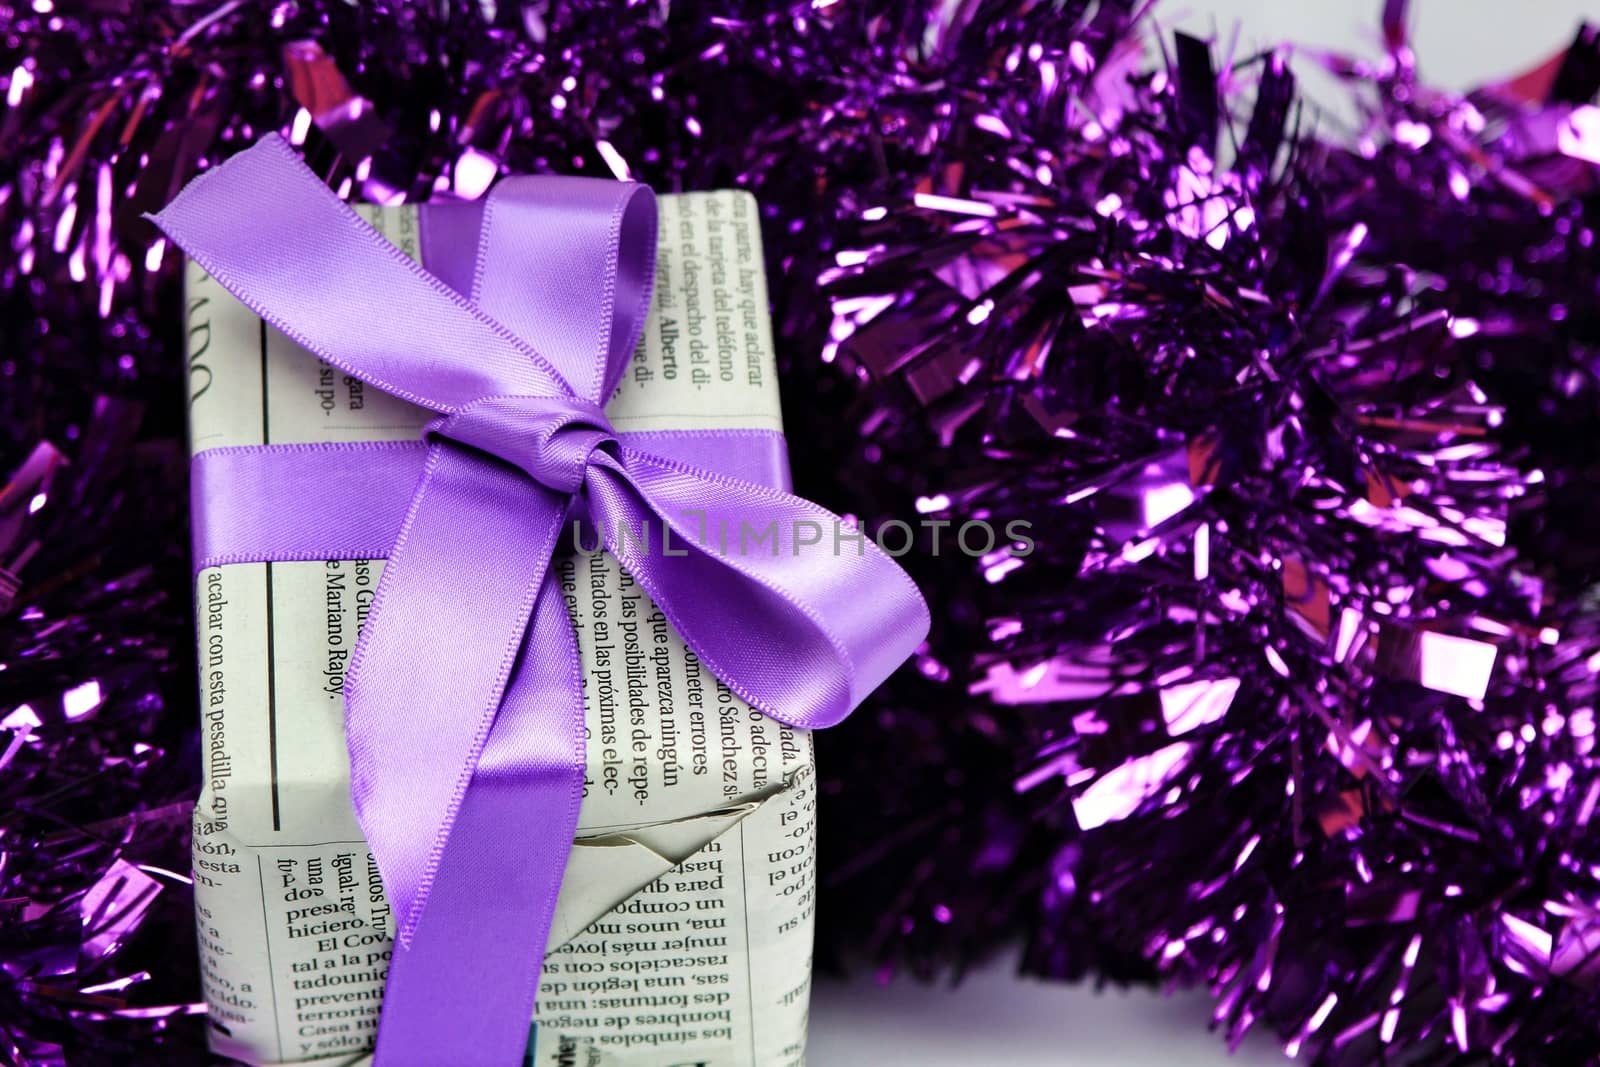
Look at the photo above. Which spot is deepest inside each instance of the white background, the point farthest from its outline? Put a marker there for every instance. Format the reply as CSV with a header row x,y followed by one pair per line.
x,y
995,1020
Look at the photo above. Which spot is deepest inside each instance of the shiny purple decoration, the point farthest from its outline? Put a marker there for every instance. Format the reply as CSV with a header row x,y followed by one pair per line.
x,y
95,776
1294,698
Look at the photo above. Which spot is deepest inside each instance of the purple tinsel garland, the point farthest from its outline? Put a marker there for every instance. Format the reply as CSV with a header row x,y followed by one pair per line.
x,y
1294,697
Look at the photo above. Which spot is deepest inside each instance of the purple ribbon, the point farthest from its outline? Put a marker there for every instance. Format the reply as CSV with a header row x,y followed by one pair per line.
x,y
463,700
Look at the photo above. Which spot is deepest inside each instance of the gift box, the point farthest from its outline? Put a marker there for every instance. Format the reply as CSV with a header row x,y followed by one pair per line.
x,y
684,922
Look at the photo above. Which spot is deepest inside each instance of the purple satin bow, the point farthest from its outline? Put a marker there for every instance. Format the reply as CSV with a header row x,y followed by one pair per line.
x,y
463,701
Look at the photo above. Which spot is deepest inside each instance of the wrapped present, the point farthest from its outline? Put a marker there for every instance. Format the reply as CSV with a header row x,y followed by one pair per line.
x,y
491,671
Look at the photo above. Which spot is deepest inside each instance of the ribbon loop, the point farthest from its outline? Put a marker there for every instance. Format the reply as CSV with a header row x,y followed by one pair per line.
x,y
603,299
551,438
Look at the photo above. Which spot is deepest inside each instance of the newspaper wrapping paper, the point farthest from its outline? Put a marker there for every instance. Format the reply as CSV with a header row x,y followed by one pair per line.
x,y
683,932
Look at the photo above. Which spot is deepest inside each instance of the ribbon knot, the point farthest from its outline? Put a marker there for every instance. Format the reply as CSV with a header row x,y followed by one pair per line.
x,y
464,695
550,438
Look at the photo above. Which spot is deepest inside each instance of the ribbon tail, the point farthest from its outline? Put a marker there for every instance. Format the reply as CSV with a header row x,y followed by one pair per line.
x,y
808,616
435,656
463,990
